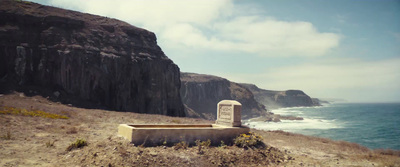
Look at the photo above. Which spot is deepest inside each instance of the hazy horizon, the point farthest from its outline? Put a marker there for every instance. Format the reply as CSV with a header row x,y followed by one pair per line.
x,y
329,49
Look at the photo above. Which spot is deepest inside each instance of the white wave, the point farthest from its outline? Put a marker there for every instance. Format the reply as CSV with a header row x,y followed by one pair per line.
x,y
302,107
295,111
287,111
296,126
310,122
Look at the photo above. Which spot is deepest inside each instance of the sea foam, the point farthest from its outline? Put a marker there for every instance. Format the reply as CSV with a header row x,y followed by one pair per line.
x,y
295,126
299,126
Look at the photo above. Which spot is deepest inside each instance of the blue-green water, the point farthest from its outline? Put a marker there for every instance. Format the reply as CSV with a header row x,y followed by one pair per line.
x,y
374,125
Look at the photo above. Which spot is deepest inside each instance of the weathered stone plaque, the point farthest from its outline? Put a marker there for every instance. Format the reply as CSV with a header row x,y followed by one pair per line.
x,y
229,113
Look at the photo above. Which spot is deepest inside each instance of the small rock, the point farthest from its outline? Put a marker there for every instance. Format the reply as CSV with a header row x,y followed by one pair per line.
x,y
154,154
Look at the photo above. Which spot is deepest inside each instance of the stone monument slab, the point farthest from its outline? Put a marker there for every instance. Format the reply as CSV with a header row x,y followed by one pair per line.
x,y
229,113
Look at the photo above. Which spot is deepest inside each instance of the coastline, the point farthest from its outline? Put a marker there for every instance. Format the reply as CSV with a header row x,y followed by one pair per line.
x,y
29,135
369,124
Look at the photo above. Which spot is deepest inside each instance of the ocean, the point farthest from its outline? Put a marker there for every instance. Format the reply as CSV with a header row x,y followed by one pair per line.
x,y
374,125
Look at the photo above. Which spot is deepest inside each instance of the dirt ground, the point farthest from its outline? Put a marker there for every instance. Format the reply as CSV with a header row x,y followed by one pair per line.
x,y
38,141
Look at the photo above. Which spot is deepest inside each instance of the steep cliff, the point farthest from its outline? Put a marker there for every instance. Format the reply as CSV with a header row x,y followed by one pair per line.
x,y
200,94
102,60
277,99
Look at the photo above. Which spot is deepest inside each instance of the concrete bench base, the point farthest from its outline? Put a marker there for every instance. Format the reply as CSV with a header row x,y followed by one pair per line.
x,y
161,134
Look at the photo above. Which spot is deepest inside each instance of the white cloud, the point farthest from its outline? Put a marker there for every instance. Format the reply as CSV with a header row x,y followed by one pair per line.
x,y
346,74
153,13
352,79
270,37
213,25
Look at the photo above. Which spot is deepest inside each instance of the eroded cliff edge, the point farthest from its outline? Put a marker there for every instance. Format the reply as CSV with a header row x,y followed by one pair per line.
x,y
200,94
277,99
102,60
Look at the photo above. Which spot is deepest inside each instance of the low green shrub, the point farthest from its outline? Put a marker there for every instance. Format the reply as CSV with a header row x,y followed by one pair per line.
x,y
223,145
201,144
181,145
205,143
79,143
249,140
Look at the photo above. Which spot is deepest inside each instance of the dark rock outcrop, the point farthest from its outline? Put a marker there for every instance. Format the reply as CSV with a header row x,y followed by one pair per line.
x,y
277,99
102,60
201,93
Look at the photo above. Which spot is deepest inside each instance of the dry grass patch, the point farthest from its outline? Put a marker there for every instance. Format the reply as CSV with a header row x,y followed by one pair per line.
x,y
32,113
176,121
388,152
7,136
50,143
72,130
382,157
282,132
69,114
352,146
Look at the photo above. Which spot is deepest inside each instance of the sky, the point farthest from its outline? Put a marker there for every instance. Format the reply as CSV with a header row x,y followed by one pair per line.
x,y
348,49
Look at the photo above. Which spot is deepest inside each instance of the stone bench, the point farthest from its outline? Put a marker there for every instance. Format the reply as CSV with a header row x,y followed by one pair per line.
x,y
227,127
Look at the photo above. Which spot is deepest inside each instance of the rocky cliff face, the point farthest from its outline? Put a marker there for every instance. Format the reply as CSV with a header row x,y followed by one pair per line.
x,y
201,93
277,99
99,59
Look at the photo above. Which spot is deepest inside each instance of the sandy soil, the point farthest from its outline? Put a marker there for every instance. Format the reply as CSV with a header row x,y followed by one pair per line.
x,y
37,141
